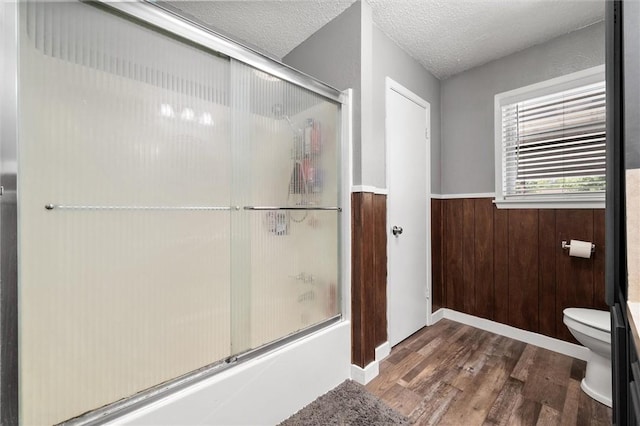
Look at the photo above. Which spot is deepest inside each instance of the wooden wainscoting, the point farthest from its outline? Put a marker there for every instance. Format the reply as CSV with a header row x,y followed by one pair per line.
x,y
507,265
368,275
437,288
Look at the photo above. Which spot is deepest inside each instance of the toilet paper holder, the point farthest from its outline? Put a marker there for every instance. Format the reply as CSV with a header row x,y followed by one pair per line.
x,y
567,246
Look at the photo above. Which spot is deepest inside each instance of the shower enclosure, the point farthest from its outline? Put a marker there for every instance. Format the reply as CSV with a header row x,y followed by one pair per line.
x,y
178,202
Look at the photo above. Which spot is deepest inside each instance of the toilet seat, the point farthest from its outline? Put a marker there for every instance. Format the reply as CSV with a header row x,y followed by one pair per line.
x,y
600,320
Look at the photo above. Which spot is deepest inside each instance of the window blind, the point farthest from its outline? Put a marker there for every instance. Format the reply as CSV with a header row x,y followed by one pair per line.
x,y
555,144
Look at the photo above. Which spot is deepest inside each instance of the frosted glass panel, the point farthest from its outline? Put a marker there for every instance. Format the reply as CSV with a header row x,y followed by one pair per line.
x,y
292,289
288,140
124,284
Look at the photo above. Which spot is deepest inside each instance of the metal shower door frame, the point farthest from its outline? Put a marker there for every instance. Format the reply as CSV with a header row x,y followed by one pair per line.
x,y
8,213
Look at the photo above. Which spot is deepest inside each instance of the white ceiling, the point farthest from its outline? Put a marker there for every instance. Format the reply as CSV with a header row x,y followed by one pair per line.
x,y
445,36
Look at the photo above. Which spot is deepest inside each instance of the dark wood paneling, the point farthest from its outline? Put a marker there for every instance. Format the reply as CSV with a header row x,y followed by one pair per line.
x,y
368,275
483,257
598,261
357,298
363,295
501,265
574,275
369,314
517,273
504,265
523,269
380,267
437,283
547,246
453,249
468,255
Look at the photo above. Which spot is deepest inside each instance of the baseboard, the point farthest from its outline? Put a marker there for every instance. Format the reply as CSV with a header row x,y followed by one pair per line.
x,y
383,351
366,374
371,371
556,345
437,316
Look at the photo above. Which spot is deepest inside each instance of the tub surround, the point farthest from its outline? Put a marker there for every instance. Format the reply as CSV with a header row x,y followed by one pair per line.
x,y
632,177
506,265
633,313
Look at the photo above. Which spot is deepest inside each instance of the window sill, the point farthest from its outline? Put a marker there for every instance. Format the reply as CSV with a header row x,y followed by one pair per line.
x,y
548,203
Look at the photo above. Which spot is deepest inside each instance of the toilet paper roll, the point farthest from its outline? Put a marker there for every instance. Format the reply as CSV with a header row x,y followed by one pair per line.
x,y
580,248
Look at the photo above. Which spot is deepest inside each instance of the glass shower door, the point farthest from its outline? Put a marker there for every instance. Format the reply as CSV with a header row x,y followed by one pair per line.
x,y
285,237
124,198
176,208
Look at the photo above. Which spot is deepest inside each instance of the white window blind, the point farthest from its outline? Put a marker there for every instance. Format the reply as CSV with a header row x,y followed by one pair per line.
x,y
554,145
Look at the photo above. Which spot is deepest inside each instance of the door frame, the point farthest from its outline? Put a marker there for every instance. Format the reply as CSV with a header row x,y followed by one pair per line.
x,y
392,85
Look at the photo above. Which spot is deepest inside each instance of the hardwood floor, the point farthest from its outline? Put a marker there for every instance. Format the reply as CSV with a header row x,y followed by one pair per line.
x,y
453,374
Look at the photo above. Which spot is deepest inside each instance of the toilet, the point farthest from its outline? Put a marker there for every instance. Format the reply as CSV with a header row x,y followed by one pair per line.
x,y
592,328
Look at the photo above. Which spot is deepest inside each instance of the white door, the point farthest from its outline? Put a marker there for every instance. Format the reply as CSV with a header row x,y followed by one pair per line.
x,y
408,181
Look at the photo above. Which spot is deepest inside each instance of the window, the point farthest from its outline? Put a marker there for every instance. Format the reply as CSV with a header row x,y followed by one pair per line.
x,y
550,143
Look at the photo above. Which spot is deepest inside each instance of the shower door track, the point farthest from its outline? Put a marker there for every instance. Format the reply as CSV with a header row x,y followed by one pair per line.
x,y
117,409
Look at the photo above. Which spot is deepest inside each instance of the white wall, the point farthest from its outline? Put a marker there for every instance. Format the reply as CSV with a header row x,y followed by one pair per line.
x,y
467,159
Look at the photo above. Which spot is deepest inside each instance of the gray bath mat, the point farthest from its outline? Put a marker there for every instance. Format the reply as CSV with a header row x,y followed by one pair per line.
x,y
350,405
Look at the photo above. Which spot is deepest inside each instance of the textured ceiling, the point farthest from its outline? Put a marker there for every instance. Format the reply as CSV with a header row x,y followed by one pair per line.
x,y
448,37
445,36
274,27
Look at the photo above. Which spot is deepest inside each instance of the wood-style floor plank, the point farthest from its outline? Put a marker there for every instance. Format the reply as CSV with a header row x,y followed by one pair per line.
x,y
404,400
548,417
434,405
472,406
527,412
454,374
590,414
384,382
570,408
548,378
505,404
521,370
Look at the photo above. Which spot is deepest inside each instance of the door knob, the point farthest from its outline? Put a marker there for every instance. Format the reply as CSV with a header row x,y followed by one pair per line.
x,y
396,230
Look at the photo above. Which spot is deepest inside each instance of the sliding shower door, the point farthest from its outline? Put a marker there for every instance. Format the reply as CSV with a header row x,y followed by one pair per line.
x,y
124,190
287,230
176,207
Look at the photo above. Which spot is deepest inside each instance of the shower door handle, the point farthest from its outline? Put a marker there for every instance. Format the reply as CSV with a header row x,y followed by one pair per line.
x,y
396,230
